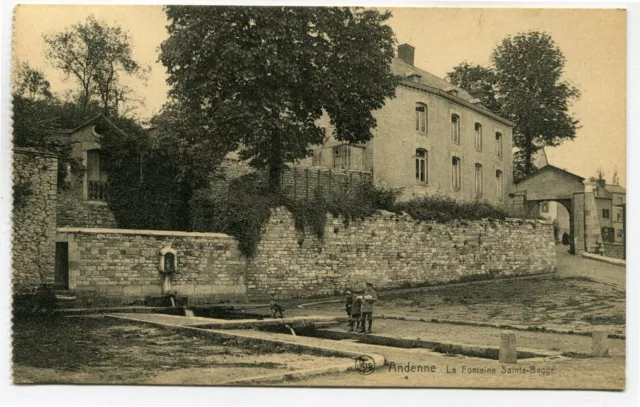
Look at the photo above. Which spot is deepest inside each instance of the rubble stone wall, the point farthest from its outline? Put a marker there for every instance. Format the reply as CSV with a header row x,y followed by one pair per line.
x,y
393,251
34,219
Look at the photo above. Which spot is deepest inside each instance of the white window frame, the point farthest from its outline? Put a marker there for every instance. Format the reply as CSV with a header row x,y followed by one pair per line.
x,y
343,159
422,166
422,118
456,181
478,130
498,144
478,179
455,128
499,185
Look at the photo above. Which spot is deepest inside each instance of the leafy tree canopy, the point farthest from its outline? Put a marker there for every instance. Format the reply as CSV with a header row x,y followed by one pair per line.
x,y
525,81
96,56
261,77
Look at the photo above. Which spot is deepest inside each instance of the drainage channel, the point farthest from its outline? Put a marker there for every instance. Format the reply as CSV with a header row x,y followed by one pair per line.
x,y
216,312
447,349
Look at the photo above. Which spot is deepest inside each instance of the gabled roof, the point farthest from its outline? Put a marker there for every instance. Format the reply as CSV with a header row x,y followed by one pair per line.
x,y
615,189
549,167
95,120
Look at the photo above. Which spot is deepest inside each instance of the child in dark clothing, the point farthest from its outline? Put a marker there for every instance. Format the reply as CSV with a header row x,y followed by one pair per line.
x,y
348,303
275,308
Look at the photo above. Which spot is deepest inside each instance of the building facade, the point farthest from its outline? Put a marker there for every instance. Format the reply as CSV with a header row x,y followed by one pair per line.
x,y
433,138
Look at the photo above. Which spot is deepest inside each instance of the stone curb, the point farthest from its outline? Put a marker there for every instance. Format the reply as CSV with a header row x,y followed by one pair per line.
x,y
323,350
296,374
477,351
496,325
609,260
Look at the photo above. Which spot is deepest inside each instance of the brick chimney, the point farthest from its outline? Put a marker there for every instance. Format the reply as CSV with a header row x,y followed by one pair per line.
x,y
405,53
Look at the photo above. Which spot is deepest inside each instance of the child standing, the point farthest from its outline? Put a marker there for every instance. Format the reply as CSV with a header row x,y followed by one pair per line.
x,y
348,303
356,308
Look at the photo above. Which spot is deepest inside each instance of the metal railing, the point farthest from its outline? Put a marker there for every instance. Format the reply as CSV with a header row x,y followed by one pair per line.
x,y
97,190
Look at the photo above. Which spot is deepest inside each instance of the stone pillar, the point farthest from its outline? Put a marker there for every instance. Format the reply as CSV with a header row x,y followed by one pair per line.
x,y
599,344
577,227
508,353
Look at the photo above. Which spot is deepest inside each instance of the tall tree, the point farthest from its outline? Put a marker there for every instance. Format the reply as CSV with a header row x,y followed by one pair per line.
x,y
476,78
97,56
526,76
263,76
30,83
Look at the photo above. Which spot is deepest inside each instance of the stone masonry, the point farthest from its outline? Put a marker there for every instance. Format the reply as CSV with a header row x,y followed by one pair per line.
x,y
392,250
34,219
121,266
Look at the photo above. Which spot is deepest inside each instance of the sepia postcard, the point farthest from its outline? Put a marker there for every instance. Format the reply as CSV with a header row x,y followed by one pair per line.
x,y
319,196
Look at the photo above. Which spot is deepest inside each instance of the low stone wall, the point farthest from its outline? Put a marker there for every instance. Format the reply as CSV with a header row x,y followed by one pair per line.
x,y
34,219
393,251
121,266
614,250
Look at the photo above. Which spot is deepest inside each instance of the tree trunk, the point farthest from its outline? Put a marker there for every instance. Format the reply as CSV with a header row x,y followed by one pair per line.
x,y
275,176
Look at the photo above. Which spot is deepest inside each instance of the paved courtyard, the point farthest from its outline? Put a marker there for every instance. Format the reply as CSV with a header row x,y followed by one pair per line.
x,y
584,295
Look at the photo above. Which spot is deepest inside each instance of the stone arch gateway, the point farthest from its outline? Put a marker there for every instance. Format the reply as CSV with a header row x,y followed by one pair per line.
x,y
551,183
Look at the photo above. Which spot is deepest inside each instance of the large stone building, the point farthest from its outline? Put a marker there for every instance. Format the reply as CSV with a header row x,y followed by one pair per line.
x,y
433,138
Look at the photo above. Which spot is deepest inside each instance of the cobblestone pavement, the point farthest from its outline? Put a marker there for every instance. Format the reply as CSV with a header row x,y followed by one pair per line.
x,y
578,266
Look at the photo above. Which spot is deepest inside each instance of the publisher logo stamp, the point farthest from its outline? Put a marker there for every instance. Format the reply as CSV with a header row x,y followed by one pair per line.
x,y
365,364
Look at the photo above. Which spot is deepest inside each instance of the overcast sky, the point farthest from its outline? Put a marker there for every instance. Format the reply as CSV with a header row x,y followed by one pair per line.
x,y
593,42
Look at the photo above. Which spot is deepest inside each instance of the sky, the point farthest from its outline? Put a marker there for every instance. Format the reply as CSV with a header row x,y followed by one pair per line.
x,y
592,40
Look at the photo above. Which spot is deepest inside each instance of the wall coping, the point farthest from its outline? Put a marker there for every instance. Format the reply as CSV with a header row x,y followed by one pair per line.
x,y
34,151
610,260
141,232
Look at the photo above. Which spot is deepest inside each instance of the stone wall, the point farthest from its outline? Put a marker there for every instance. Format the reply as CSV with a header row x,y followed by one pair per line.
x,y
121,266
615,250
73,210
34,219
394,251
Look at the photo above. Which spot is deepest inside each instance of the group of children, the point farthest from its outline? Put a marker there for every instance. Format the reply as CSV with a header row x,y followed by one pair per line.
x,y
359,307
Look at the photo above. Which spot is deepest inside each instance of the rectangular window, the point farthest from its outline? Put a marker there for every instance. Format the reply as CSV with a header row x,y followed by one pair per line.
x,y
421,118
544,207
478,179
499,185
421,166
607,235
478,137
346,157
619,233
96,177
499,145
605,213
619,215
455,165
455,128
619,200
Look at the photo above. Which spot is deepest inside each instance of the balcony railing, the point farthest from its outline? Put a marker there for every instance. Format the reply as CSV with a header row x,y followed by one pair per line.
x,y
97,191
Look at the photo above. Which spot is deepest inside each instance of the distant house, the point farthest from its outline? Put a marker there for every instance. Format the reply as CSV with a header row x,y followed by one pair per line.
x,y
609,201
